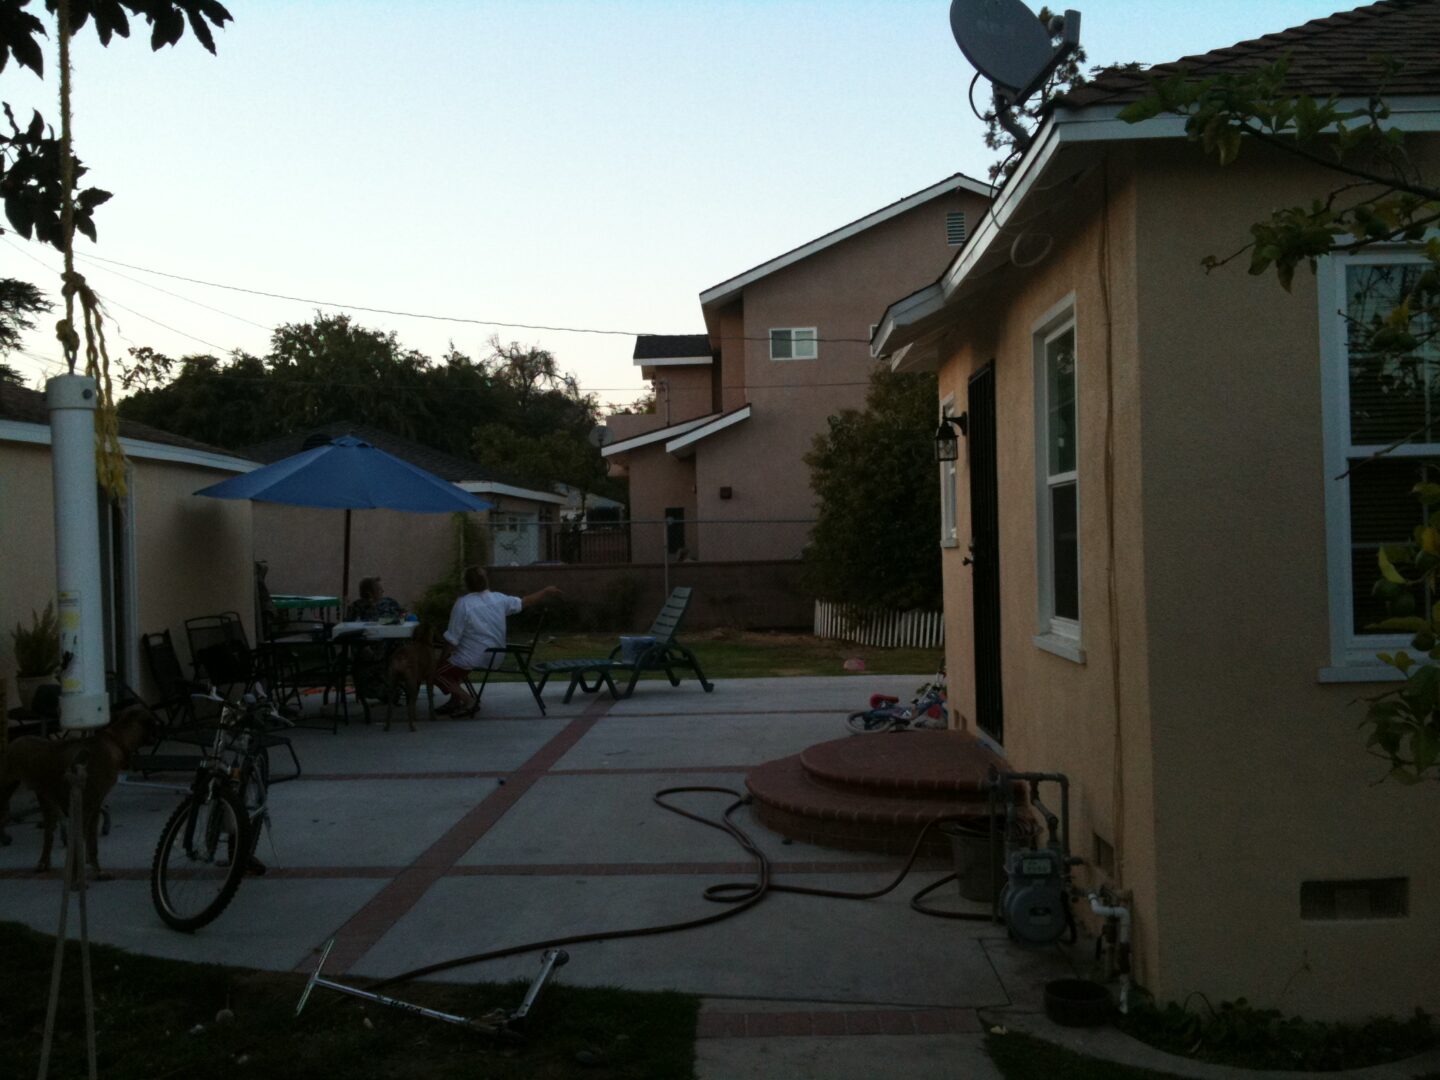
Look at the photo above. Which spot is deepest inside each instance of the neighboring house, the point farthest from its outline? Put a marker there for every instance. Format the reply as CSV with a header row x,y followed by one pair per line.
x,y
304,547
785,348
1157,570
169,555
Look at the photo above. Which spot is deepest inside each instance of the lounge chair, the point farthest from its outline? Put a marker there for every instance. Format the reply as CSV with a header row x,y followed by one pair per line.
x,y
662,653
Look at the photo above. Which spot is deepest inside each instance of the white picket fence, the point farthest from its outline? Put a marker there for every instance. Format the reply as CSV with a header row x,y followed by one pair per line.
x,y
889,629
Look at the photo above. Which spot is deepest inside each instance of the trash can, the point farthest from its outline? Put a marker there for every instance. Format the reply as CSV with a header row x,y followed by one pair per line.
x,y
979,861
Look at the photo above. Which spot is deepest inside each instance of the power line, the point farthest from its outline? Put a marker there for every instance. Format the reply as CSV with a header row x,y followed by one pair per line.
x,y
179,296
426,315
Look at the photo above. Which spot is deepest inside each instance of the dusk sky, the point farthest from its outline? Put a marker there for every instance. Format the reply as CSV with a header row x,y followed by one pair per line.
x,y
590,165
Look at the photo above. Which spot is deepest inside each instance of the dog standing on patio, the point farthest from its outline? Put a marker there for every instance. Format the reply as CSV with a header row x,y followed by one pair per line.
x,y
43,765
410,665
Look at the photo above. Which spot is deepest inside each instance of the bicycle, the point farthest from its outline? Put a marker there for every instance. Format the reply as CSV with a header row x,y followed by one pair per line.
x,y
927,710
209,842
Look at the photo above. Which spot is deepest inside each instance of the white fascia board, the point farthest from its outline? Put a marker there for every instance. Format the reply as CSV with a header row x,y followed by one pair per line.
x,y
490,487
709,429
903,313
676,361
734,286
658,435
141,449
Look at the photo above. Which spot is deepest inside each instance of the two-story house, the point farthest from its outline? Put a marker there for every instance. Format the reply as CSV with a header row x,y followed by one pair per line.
x,y
787,345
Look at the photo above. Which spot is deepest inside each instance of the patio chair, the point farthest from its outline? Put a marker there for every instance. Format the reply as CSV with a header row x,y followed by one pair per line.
x,y
174,706
514,658
660,653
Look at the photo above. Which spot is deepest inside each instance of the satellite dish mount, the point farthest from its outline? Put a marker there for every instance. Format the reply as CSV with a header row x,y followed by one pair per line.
x,y
1010,46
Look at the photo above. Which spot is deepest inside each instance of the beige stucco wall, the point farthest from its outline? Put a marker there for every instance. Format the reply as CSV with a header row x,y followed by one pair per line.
x,y
658,481
192,554
1234,541
1243,775
682,391
1060,715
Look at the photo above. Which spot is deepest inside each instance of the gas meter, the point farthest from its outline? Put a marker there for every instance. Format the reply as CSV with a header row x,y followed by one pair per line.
x,y
1035,896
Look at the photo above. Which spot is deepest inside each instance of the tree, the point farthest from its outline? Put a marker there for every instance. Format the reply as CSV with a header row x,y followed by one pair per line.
x,y
1380,196
875,542
18,301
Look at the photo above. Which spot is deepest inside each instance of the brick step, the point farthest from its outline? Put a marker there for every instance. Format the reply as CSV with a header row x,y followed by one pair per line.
x,y
948,765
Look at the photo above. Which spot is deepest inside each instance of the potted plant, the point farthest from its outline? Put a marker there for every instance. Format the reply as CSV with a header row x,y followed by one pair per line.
x,y
37,653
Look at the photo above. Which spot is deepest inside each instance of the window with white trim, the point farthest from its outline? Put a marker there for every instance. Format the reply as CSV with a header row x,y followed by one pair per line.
x,y
949,477
794,343
1057,479
1373,403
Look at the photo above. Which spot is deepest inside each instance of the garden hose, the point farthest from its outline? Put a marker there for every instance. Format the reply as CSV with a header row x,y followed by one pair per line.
x,y
741,895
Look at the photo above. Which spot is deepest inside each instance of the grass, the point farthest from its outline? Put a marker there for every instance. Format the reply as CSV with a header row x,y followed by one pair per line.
x,y
156,1020
748,654
1023,1057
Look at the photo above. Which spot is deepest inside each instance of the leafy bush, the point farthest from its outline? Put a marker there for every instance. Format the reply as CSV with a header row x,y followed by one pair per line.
x,y
1239,1034
37,648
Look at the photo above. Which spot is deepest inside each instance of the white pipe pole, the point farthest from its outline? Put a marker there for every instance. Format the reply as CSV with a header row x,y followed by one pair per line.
x,y
84,703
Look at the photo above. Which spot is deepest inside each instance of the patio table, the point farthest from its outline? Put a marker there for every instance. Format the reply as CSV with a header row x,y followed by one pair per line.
x,y
347,635
291,602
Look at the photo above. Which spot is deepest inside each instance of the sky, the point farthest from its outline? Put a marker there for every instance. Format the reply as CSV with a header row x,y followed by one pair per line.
x,y
592,164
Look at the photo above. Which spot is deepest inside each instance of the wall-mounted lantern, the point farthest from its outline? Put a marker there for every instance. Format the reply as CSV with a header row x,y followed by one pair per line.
x,y
947,446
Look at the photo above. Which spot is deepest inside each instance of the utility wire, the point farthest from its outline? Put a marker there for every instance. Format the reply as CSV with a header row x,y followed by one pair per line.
x,y
424,315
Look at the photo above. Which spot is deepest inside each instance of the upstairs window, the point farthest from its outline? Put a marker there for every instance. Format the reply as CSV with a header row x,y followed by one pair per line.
x,y
794,343
955,228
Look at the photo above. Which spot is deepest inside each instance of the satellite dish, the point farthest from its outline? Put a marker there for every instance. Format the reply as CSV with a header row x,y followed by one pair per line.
x,y
1009,45
600,436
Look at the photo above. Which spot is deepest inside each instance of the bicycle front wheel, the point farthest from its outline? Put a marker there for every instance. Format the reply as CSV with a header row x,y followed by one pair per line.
x,y
200,859
873,720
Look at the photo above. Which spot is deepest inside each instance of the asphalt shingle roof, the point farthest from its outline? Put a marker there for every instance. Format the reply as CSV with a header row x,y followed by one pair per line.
x,y
28,407
1334,55
446,466
671,346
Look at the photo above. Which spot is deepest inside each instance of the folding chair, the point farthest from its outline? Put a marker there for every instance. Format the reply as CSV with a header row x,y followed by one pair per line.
x,y
513,658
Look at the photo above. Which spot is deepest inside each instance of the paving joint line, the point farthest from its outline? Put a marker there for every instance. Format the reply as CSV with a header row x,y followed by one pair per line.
x,y
380,914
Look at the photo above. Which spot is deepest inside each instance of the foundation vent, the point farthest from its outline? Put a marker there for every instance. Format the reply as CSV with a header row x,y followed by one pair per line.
x,y
1104,860
1380,898
955,228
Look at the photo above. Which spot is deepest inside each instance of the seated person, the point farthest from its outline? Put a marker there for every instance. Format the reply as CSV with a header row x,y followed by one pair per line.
x,y
477,623
370,659
373,605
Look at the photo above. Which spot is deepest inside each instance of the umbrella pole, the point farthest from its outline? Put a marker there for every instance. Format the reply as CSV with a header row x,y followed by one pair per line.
x,y
345,575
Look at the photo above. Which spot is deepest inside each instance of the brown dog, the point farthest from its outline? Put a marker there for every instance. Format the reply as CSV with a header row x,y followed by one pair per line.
x,y
42,765
410,665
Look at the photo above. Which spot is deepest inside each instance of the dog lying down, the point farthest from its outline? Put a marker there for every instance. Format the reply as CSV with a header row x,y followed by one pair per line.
x,y
42,765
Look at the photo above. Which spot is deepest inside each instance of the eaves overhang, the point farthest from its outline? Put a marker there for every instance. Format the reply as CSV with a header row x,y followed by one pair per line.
x,y
636,442
684,445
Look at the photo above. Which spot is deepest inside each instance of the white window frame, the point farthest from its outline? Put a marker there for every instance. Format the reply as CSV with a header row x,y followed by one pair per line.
x,y
1054,633
1352,656
949,490
814,341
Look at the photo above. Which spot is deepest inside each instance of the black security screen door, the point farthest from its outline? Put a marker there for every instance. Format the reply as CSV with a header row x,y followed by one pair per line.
x,y
985,554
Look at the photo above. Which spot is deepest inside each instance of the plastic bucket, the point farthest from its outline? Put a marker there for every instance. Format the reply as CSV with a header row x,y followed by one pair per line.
x,y
979,860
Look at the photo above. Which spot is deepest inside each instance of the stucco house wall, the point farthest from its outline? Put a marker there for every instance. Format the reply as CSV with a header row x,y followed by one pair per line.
x,y
191,554
1196,729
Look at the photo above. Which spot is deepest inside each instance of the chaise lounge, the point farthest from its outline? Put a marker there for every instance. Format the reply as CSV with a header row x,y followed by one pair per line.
x,y
657,650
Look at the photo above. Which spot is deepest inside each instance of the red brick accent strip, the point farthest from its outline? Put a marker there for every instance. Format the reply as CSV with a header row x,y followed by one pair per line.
x,y
368,925
760,1025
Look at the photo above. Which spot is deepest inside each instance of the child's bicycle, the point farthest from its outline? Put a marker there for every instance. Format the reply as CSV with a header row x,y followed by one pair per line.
x,y
927,710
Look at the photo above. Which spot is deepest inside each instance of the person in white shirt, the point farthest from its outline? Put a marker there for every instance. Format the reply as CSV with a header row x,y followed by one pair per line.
x,y
477,624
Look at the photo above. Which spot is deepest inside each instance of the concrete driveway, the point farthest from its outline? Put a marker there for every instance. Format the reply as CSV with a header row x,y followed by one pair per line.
x,y
409,848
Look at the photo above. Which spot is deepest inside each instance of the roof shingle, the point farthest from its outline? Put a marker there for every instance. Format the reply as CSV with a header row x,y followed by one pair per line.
x,y
671,346
1335,55
28,407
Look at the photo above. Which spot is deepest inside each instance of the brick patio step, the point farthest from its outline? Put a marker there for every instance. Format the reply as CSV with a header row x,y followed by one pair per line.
x,y
873,792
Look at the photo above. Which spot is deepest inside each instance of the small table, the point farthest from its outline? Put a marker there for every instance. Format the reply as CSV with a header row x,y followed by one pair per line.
x,y
346,635
302,604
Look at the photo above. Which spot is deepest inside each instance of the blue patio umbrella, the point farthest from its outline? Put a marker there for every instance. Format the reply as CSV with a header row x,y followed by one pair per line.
x,y
348,474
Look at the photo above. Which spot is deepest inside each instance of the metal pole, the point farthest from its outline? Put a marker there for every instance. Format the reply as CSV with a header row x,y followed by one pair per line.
x,y
71,400
665,553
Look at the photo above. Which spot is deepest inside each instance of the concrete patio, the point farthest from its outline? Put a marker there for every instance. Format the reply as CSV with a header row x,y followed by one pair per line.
x,y
409,848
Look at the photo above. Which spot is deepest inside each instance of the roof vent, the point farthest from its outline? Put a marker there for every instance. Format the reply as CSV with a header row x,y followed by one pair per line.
x,y
955,228
312,441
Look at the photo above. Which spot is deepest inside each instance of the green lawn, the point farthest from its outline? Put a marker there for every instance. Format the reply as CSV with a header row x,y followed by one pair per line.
x,y
744,654
156,1020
